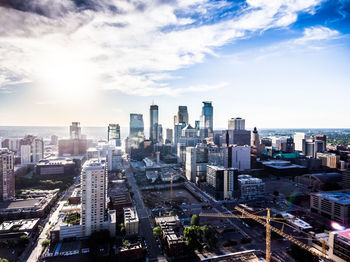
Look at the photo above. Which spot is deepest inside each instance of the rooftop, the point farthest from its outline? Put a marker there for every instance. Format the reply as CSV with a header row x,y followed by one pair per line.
x,y
94,164
130,214
23,224
341,197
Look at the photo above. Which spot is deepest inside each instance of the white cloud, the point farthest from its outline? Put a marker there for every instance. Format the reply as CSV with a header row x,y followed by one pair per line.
x,y
316,33
129,46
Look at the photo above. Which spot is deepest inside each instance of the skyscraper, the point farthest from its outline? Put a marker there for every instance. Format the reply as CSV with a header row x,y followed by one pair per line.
x,y
169,135
153,132
206,119
236,124
136,125
113,131
75,130
93,198
7,175
182,115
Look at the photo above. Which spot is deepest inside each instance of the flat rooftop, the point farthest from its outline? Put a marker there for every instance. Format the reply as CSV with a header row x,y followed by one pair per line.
x,y
339,197
23,224
27,203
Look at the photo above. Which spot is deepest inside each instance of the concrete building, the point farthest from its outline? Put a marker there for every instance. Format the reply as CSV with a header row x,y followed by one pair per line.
x,y
329,159
338,243
222,183
25,154
182,115
170,227
56,166
312,147
238,157
75,130
299,139
236,124
169,136
131,221
196,162
332,205
235,137
322,138
72,147
94,196
23,227
7,174
250,188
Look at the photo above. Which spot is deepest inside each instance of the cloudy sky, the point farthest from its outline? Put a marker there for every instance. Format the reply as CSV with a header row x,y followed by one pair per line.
x,y
277,63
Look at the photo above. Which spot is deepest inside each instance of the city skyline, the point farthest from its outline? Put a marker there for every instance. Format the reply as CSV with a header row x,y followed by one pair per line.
x,y
273,63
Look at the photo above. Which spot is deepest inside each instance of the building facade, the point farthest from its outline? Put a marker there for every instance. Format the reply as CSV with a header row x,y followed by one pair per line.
x,y
206,121
154,132
94,196
7,175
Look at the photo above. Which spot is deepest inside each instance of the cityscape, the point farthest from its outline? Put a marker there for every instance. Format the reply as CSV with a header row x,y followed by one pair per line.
x,y
192,130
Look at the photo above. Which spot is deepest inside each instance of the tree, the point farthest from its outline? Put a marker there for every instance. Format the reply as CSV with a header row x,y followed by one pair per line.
x,y
195,220
157,232
210,236
172,213
126,243
23,240
3,260
45,243
122,229
193,237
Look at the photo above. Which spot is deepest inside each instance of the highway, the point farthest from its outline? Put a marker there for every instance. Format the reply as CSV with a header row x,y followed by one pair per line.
x,y
36,248
154,252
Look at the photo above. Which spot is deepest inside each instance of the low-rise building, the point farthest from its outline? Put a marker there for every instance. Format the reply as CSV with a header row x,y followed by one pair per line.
x,y
13,229
337,244
131,252
332,205
131,221
250,187
171,233
56,166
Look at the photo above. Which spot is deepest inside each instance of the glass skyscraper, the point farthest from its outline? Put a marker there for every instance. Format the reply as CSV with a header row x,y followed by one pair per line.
x,y
154,132
206,122
136,125
113,131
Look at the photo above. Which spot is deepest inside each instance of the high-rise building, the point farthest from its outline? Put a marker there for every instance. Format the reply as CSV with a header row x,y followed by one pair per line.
x,y
182,115
178,132
299,141
136,125
222,183
322,138
312,147
169,135
206,122
37,150
75,130
113,131
25,154
160,133
7,175
94,195
153,132
236,124
238,157
131,221
31,149
196,162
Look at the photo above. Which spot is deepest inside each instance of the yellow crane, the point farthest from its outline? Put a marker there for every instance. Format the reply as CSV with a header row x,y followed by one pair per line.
x,y
265,220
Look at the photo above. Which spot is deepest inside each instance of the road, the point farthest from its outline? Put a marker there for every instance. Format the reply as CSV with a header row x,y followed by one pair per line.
x,y
50,220
154,252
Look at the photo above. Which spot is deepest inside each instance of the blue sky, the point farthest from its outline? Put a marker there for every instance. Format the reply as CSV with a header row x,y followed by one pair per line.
x,y
275,63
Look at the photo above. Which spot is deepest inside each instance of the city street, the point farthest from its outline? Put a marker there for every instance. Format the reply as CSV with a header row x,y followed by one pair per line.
x,y
50,221
145,224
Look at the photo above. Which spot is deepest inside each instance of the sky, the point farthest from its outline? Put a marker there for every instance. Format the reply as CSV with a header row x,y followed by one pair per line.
x,y
276,63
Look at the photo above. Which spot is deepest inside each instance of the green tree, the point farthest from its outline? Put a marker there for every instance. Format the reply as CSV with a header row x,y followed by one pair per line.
x,y
122,229
172,213
157,232
3,260
210,236
195,220
126,243
45,243
23,240
193,237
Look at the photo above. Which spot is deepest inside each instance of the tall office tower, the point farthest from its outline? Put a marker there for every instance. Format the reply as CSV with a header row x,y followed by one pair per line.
x,y
113,131
136,125
322,138
94,195
236,124
169,135
153,131
160,133
54,140
175,120
7,174
312,147
206,124
25,154
197,126
238,157
75,130
178,132
37,150
182,115
299,141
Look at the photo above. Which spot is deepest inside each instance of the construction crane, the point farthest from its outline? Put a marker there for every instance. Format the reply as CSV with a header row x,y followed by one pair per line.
x,y
171,186
265,221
